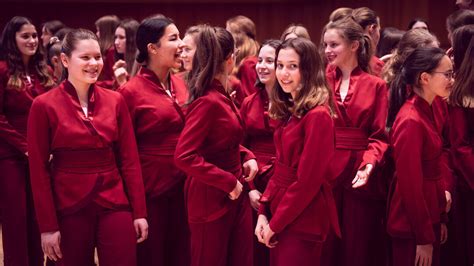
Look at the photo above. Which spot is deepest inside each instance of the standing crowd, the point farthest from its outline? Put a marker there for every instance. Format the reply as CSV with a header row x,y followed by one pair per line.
x,y
214,150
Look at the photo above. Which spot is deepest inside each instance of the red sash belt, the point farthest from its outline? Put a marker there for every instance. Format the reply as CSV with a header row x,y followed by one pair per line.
x,y
158,144
228,160
351,138
84,161
262,145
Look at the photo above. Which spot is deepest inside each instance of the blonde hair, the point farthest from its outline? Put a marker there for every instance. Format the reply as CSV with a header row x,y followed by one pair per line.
x,y
297,29
244,32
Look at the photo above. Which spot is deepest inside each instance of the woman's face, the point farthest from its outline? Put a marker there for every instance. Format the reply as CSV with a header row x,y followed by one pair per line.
x,y
45,36
120,40
288,71
441,79
338,51
85,63
420,25
27,40
169,47
189,48
266,65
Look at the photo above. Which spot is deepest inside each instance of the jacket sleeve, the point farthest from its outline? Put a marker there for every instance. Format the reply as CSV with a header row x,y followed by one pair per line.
x,y
407,148
319,146
128,161
199,120
38,155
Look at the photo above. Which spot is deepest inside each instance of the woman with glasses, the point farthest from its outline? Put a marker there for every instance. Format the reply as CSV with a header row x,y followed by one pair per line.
x,y
417,208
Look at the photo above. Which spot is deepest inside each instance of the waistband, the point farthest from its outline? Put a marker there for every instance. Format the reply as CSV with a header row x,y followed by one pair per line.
x,y
84,161
153,144
351,138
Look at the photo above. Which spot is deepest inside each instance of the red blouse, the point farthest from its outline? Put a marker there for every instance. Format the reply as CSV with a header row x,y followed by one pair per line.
x,y
14,109
209,152
298,197
418,200
248,75
94,158
158,120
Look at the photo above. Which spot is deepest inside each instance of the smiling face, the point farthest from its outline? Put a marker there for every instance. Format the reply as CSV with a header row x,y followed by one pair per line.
x,y
440,81
120,40
266,65
45,36
27,40
85,63
168,49
189,48
288,71
338,51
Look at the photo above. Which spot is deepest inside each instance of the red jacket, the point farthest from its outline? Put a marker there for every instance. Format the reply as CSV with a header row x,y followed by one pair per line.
x,y
158,120
14,109
209,152
259,128
360,124
462,144
94,158
107,76
376,65
298,197
418,200
247,74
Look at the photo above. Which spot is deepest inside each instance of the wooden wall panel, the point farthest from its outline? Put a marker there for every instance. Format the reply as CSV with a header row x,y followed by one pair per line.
x,y
270,16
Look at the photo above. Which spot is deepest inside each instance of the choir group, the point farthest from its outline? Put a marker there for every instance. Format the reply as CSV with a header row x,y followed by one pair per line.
x,y
214,150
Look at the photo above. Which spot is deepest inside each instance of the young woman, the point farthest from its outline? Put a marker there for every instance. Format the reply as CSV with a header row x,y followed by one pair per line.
x,y
295,31
85,172
209,151
106,27
245,35
297,207
49,29
418,205
189,48
462,144
418,23
259,130
389,39
23,76
361,142
155,98
126,48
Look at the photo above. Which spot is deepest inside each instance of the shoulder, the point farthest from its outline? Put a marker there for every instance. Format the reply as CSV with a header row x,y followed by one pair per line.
x,y
49,98
135,83
319,116
249,99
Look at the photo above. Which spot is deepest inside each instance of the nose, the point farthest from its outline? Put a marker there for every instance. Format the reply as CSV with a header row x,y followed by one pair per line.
x,y
327,49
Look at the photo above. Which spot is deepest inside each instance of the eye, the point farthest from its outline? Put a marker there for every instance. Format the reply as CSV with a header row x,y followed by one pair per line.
x,y
98,57
34,35
270,60
85,57
260,60
280,66
294,66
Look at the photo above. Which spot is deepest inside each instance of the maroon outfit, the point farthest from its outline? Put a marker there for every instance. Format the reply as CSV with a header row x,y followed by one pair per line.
x,y
93,186
107,76
21,238
259,130
209,151
462,149
376,66
417,205
360,140
248,75
298,200
158,120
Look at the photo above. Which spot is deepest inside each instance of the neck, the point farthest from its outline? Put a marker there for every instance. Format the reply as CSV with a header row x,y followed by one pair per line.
x,y
26,61
348,66
161,72
429,97
223,80
269,86
82,89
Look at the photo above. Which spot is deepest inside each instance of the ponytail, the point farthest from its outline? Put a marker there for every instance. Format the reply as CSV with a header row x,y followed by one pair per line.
x,y
399,93
364,53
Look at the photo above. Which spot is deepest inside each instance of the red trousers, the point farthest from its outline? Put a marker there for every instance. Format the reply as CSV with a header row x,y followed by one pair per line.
x,y
364,239
20,233
293,250
168,232
226,241
404,250
111,231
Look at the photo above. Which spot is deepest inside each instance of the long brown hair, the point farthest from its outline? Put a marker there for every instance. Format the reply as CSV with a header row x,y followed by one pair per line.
x,y
12,55
106,26
245,34
315,89
214,45
130,27
463,48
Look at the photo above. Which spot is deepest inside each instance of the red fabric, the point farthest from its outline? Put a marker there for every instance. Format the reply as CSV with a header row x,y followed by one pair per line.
x,y
158,121
376,66
14,109
298,198
418,201
365,108
292,250
110,231
461,137
60,127
247,74
107,76
259,128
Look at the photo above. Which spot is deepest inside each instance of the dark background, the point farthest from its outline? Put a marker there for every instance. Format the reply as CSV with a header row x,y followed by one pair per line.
x,y
270,16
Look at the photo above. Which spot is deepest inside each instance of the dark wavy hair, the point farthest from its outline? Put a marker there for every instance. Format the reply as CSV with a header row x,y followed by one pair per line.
x,y
130,26
314,90
422,59
150,31
463,50
12,55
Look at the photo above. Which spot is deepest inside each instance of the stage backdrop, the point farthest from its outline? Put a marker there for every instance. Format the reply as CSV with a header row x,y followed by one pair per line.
x,y
270,16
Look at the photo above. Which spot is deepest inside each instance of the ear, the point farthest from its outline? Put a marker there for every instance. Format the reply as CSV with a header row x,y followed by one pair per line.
x,y
424,78
355,46
151,48
64,60
229,63
55,60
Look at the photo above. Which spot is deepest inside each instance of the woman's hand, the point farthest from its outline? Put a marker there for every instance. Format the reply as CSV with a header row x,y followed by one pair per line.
x,y
424,255
50,243
267,237
250,169
262,221
444,233
141,229
449,201
234,194
120,72
362,176
254,196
